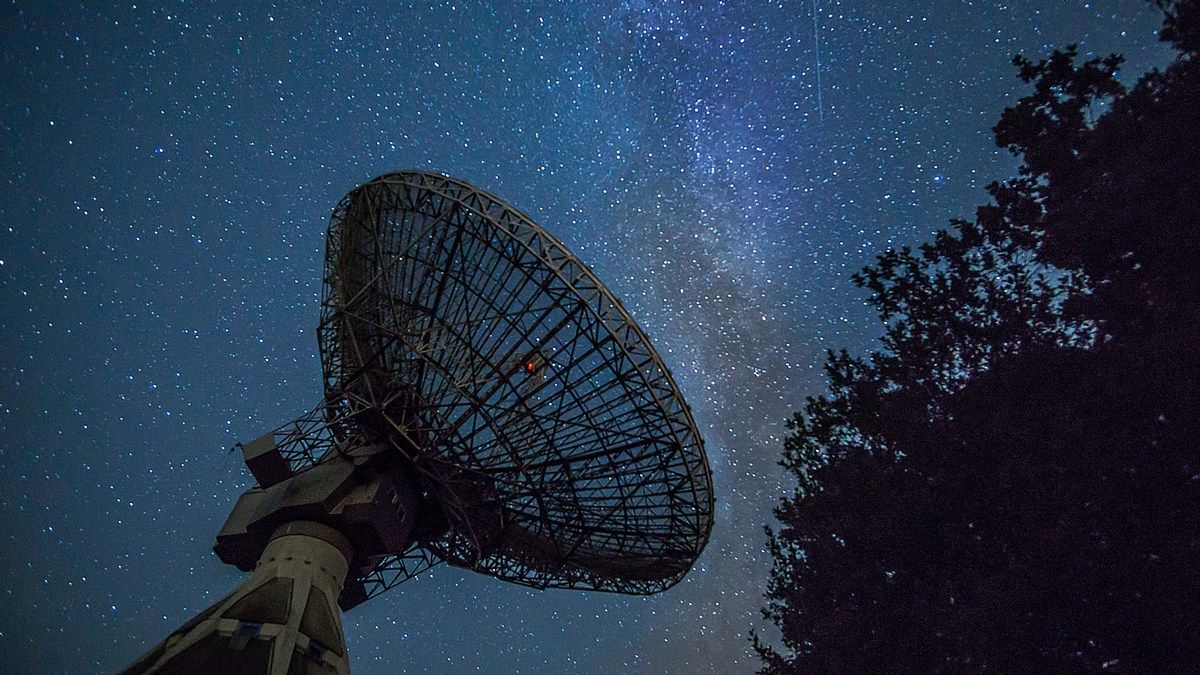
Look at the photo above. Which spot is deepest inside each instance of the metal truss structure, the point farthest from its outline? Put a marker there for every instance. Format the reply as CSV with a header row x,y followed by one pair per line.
x,y
488,403
540,425
309,438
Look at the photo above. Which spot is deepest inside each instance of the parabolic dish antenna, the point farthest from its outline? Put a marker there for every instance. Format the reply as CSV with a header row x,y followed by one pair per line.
x,y
488,403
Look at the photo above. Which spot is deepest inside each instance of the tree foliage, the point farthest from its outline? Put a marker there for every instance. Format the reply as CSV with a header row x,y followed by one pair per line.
x,y
1012,481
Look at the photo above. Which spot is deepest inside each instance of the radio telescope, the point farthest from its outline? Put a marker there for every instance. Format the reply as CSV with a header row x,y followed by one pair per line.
x,y
488,403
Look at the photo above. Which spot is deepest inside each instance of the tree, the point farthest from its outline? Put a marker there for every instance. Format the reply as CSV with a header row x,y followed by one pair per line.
x,y
1013,481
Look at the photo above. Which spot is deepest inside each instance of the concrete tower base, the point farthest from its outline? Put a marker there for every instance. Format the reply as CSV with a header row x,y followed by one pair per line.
x,y
282,619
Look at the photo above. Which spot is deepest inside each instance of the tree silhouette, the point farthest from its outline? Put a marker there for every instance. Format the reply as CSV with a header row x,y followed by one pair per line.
x,y
1013,481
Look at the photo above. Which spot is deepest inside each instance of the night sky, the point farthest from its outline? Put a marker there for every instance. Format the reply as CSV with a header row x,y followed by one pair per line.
x,y
168,175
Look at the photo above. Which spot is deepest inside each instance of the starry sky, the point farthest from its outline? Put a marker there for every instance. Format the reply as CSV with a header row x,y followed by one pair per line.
x,y
168,174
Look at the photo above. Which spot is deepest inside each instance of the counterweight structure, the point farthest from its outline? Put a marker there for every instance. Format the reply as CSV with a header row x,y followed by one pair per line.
x,y
488,403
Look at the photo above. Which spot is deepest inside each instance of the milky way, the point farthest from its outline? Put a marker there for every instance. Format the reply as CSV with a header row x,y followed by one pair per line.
x,y
168,177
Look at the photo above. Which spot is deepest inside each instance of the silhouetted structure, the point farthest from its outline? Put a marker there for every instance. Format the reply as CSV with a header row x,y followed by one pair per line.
x,y
1013,483
488,403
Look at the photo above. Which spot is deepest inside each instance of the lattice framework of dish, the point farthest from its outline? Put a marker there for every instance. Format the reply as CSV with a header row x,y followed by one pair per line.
x,y
535,413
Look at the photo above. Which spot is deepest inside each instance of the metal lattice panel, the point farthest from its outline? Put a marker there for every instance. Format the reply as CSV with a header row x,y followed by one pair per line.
x,y
535,411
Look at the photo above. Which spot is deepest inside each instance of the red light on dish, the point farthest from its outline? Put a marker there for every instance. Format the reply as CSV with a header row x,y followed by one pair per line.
x,y
530,367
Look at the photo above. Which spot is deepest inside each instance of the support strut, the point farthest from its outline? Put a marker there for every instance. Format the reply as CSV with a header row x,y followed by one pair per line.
x,y
282,619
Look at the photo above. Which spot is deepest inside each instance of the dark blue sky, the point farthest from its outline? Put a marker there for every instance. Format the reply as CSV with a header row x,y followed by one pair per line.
x,y
168,174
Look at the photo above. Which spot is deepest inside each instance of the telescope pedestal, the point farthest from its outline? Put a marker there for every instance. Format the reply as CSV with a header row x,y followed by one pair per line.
x,y
283,618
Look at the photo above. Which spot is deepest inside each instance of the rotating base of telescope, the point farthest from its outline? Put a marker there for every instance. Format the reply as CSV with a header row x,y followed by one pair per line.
x,y
282,619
